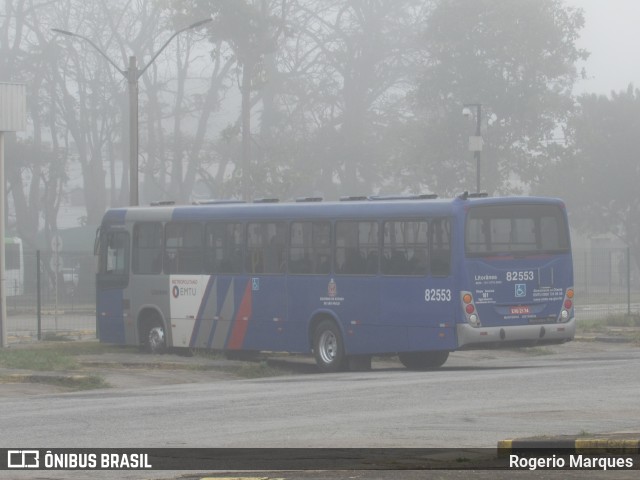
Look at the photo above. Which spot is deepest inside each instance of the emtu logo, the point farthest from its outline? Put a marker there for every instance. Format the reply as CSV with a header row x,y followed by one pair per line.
x,y
23,459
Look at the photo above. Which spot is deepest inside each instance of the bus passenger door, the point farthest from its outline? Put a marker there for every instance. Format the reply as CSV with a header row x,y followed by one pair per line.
x,y
111,280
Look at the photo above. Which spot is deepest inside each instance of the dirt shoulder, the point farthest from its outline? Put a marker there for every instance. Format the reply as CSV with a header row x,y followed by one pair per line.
x,y
92,366
96,366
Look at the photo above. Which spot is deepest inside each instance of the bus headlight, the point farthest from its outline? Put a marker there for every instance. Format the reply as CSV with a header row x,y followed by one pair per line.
x,y
564,315
473,319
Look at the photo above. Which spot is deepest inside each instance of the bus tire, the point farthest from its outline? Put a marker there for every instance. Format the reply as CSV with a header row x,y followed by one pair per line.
x,y
423,360
154,338
328,347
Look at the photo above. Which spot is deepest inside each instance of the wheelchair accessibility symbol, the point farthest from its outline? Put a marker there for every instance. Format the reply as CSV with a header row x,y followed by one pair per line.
x,y
521,290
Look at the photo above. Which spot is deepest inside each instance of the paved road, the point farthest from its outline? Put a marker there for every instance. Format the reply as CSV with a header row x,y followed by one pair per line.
x,y
476,400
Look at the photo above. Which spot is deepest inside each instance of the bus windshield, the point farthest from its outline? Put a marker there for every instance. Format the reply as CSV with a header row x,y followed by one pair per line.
x,y
516,230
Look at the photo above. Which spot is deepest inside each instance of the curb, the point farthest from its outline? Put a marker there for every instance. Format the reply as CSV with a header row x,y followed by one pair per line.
x,y
43,378
628,443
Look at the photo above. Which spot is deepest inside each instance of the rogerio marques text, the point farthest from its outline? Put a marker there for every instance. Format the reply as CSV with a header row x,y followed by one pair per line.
x,y
571,461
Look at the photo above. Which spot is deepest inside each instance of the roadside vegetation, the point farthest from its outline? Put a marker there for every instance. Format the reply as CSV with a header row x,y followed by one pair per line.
x,y
622,326
52,358
259,369
620,320
56,361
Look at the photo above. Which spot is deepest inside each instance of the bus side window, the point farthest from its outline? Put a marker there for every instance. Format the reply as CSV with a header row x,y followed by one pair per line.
x,y
147,247
405,245
265,247
300,248
440,247
357,245
183,248
116,259
309,248
223,248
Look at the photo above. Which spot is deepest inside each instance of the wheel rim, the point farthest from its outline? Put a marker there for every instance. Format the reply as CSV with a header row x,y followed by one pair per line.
x,y
156,338
328,347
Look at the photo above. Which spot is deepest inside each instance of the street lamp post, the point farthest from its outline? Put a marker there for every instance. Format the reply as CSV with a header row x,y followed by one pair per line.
x,y
132,75
475,143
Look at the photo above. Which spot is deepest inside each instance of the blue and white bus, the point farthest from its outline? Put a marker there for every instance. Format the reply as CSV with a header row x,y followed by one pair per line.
x,y
415,277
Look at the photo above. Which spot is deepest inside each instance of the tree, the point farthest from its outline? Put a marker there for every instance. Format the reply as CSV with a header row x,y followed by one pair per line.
x,y
598,171
344,70
36,168
251,30
517,59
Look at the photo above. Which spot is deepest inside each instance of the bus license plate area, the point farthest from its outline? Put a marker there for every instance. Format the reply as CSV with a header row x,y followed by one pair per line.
x,y
520,310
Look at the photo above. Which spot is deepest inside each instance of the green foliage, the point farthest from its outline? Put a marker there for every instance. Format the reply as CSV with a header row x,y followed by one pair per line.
x,y
56,356
603,324
258,370
517,59
338,97
599,166
37,359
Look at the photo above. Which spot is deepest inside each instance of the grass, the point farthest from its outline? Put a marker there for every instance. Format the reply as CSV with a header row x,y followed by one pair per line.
x,y
208,354
258,370
70,382
55,362
535,351
621,326
39,359
603,324
57,356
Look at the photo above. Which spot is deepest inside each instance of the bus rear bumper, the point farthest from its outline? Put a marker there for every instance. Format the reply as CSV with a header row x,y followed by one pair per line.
x,y
508,336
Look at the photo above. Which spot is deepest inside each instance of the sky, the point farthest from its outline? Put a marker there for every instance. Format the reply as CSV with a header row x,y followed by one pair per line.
x,y
612,35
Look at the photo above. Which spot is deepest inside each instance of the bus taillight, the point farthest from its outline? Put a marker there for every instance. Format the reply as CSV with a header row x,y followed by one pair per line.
x,y
470,309
565,314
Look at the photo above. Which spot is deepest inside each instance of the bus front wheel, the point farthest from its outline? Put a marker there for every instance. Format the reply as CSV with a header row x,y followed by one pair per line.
x,y
423,360
155,340
328,347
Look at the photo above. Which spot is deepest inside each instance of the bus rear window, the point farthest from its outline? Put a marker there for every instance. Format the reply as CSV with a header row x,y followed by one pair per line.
x,y
516,229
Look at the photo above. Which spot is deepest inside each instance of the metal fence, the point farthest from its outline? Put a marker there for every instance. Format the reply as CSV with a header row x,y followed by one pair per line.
x,y
607,282
58,296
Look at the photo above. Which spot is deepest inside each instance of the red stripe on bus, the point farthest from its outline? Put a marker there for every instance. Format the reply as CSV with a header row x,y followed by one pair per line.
x,y
241,322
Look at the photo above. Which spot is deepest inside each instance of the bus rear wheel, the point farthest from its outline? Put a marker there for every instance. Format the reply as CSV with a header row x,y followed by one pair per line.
x,y
423,360
328,347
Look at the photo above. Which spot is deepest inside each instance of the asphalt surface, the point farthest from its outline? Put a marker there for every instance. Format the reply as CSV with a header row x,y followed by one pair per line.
x,y
128,369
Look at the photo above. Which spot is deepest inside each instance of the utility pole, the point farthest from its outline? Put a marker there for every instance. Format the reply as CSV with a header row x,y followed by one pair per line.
x,y
13,118
475,142
132,75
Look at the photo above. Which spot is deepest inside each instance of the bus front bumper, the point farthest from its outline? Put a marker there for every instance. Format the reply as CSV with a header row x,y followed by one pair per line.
x,y
508,336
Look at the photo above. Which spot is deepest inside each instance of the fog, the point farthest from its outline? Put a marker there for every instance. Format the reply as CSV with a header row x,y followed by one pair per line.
x,y
323,98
